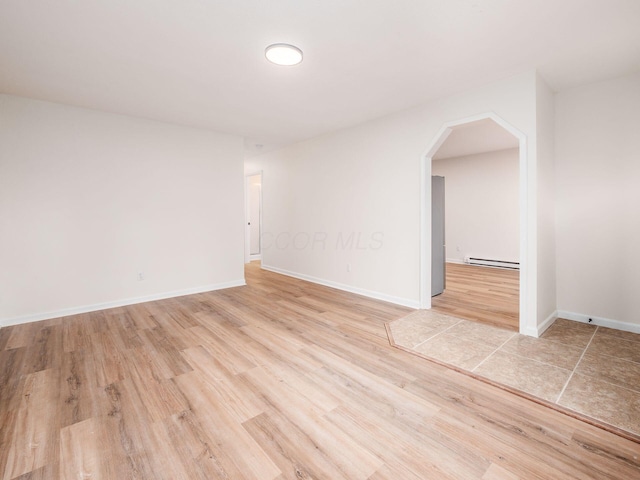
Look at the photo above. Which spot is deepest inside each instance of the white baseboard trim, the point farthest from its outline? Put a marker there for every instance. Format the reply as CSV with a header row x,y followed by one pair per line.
x,y
255,256
118,303
547,323
530,332
600,321
405,302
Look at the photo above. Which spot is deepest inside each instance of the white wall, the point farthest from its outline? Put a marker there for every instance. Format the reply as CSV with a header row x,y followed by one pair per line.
x,y
89,199
364,182
545,209
482,217
598,201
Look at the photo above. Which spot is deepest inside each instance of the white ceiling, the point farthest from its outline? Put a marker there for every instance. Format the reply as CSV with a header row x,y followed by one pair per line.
x,y
476,137
201,62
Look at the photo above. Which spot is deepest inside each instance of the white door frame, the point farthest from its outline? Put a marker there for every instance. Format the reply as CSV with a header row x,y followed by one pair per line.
x,y
247,230
528,321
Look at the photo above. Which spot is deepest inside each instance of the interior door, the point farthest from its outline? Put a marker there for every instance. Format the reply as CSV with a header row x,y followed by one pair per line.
x,y
255,187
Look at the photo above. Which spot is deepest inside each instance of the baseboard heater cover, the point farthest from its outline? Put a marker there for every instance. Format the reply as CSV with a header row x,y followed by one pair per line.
x,y
486,262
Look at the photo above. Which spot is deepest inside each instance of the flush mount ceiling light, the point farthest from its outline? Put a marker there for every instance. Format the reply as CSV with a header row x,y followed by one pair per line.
x,y
283,54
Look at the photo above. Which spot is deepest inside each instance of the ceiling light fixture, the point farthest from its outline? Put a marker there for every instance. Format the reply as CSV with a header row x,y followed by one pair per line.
x,y
283,54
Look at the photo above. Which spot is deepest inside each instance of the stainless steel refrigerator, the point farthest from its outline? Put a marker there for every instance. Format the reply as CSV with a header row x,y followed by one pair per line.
x,y
438,247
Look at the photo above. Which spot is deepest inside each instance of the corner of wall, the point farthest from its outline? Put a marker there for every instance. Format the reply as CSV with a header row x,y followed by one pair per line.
x,y
545,201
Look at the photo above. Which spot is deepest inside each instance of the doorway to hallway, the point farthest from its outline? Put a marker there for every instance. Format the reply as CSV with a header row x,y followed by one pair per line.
x,y
253,217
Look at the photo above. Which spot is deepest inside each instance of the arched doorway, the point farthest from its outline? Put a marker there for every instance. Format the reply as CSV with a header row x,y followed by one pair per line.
x,y
527,320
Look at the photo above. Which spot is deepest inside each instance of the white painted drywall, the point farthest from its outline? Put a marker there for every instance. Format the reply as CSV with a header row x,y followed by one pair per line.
x,y
598,200
344,208
481,205
546,206
88,200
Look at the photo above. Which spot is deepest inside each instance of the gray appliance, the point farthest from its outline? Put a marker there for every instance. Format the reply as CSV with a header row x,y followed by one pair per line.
x,y
438,248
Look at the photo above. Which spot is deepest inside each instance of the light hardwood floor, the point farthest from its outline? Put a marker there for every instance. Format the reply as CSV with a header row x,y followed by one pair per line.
x,y
281,379
482,294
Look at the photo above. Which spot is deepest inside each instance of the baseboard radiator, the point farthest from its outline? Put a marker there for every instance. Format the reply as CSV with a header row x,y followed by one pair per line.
x,y
486,262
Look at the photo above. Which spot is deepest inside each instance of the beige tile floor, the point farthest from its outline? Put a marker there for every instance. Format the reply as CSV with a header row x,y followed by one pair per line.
x,y
592,371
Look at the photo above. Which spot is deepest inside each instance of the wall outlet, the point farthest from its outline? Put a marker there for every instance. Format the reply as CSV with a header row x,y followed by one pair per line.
x,y
140,276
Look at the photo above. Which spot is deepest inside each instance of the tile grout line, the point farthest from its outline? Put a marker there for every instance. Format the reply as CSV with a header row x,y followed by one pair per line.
x,y
576,366
546,364
438,334
491,354
604,354
617,385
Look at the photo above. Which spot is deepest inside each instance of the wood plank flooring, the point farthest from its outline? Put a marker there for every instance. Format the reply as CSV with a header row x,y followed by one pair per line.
x,y
482,294
281,379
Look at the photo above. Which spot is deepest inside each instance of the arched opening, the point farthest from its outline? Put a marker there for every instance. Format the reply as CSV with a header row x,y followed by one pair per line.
x,y
526,321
